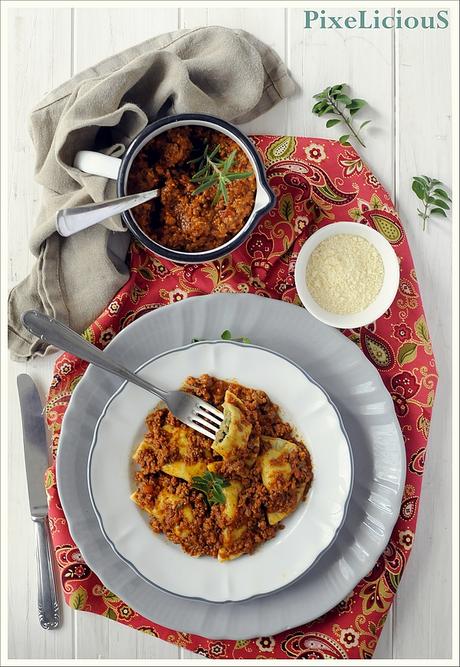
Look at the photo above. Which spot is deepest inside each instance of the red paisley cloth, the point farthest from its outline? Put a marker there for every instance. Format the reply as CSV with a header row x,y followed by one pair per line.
x,y
316,182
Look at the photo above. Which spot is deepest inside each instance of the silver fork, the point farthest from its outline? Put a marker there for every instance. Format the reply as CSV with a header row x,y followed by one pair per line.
x,y
189,409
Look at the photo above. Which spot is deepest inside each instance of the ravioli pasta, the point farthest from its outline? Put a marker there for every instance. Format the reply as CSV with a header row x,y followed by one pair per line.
x,y
266,471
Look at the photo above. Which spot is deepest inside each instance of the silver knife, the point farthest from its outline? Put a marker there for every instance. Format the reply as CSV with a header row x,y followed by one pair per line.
x,y
36,460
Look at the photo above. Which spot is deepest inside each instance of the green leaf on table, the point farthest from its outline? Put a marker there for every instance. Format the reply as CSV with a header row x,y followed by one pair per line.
x,y
407,353
419,190
357,103
226,335
319,106
441,193
433,194
344,140
355,106
327,109
438,211
336,90
330,101
441,204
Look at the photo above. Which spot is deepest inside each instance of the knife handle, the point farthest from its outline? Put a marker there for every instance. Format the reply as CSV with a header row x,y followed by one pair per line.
x,y
48,605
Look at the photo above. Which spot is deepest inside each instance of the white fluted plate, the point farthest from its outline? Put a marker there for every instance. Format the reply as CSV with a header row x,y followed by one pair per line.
x,y
307,532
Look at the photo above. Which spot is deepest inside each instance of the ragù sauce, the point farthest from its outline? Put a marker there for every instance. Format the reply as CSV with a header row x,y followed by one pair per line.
x,y
180,219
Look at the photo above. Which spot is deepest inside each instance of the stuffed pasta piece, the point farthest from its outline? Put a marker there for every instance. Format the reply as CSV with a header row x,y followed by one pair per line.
x,y
286,474
235,440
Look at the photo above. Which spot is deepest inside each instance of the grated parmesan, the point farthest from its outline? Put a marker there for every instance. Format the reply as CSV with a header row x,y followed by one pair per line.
x,y
345,274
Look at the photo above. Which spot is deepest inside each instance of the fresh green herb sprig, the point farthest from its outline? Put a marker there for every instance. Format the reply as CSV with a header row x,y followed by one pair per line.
x,y
226,335
216,172
211,485
433,195
334,101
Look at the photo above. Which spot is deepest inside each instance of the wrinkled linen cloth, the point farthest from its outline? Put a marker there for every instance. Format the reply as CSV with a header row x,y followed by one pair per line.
x,y
214,70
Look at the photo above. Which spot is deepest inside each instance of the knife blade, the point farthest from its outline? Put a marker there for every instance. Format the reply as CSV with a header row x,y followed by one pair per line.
x,y
35,444
36,462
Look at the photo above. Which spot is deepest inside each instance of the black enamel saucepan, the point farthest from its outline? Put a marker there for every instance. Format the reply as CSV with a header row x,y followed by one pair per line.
x,y
118,169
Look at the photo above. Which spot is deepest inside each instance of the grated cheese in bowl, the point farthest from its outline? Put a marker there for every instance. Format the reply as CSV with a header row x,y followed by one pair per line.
x,y
345,273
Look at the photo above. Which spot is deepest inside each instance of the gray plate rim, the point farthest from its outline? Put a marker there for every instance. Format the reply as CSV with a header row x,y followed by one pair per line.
x,y
287,608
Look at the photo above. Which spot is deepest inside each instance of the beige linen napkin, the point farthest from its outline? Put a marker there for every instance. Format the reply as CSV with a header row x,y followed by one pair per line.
x,y
228,73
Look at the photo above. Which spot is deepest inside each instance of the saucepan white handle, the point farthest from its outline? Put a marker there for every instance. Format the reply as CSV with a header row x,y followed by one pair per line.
x,y
97,164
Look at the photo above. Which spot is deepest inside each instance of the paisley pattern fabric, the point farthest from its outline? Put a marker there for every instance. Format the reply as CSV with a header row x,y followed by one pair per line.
x,y
316,182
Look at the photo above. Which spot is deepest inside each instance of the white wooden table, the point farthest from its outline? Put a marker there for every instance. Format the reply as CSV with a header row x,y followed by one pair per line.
x,y
405,76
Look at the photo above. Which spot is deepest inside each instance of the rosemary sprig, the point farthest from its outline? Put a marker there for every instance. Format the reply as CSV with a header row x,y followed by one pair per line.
x,y
333,100
433,195
214,171
211,485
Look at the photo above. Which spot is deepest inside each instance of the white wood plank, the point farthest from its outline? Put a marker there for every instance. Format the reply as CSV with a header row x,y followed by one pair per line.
x,y
319,58
424,136
39,59
99,638
270,30
99,33
188,655
384,649
193,17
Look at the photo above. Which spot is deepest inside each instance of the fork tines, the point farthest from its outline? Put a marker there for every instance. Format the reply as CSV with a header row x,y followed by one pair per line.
x,y
207,419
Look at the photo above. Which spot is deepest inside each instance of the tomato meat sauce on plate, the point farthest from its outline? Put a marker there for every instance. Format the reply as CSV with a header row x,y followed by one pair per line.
x,y
221,498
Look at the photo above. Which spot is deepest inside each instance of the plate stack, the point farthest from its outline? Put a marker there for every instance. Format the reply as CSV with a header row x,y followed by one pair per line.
x,y
327,388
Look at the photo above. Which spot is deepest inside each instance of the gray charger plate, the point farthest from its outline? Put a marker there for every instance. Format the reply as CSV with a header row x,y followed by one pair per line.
x,y
366,409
